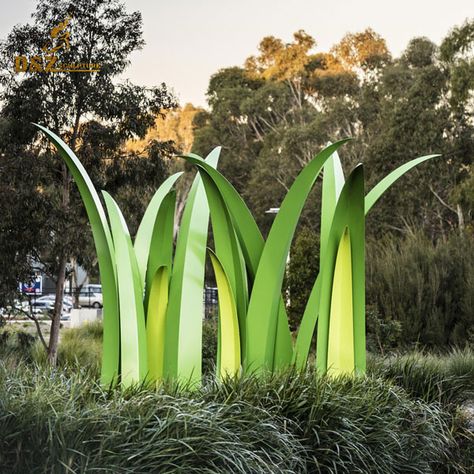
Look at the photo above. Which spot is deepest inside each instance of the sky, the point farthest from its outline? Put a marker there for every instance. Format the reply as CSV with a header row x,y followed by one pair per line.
x,y
189,40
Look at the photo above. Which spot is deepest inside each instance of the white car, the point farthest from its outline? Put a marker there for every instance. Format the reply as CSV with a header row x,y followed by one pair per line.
x,y
51,298
91,295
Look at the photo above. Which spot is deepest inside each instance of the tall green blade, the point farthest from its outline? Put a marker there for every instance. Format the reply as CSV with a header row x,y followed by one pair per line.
x,y
349,213
156,323
246,228
376,192
145,230
252,244
105,254
228,251
132,318
185,307
161,243
341,322
333,182
228,364
262,315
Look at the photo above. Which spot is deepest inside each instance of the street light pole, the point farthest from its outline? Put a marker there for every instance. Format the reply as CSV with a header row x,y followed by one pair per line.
x,y
274,211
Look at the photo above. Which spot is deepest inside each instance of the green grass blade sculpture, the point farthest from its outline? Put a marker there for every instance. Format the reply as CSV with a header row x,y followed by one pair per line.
x,y
228,253
228,360
310,316
143,244
160,251
153,297
252,244
349,214
156,323
132,317
183,346
341,328
106,257
263,306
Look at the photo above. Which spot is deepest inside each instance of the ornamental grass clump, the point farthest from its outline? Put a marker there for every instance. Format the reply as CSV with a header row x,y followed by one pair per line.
x,y
291,422
152,290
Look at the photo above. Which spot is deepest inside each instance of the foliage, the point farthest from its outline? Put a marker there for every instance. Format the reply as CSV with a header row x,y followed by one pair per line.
x,y
303,267
289,99
44,223
16,342
81,347
428,288
447,379
284,423
383,335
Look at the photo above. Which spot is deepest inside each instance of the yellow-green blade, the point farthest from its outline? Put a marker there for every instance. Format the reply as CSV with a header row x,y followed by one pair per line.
x,y
155,323
228,364
341,323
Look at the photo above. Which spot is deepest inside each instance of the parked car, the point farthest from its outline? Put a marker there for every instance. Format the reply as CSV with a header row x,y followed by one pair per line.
x,y
91,295
38,307
51,298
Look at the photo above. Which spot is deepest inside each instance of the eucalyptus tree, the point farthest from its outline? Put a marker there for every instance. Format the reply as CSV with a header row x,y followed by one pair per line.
x,y
81,99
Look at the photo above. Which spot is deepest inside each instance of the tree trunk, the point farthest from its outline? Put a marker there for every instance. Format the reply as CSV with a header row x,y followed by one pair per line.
x,y
61,275
60,280
460,218
58,307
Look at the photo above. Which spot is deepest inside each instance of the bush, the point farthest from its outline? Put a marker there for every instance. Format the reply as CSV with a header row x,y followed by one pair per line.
x,y
81,347
50,422
303,270
209,346
428,288
446,379
16,343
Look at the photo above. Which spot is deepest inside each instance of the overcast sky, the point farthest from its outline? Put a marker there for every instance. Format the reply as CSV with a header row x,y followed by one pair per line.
x,y
189,40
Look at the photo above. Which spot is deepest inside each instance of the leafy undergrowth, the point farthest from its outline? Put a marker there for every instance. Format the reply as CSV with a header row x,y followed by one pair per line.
x,y
51,421
404,416
448,378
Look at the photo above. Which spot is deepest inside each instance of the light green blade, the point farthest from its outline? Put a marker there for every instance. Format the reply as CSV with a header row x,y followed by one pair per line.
x,y
145,230
228,364
262,315
185,307
161,242
105,254
376,192
349,213
132,318
155,323
228,251
341,323
333,182
252,244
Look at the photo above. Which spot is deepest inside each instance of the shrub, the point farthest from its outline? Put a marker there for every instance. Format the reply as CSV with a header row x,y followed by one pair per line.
x,y
209,346
446,379
303,269
16,343
428,288
81,347
50,422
